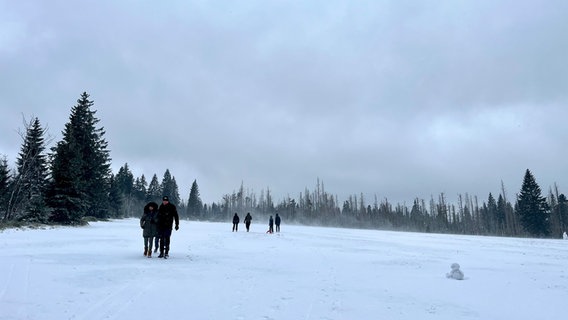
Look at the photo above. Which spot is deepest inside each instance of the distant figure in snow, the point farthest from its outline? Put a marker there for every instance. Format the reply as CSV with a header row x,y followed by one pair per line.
x,y
456,273
270,225
565,236
248,220
236,221
277,222
149,225
167,215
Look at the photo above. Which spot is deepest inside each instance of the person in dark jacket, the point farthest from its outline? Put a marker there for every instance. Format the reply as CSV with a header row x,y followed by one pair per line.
x,y
167,215
248,220
270,225
236,221
277,222
148,223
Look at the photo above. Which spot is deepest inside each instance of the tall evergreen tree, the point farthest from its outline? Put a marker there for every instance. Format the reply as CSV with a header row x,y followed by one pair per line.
x,y
140,188
532,208
561,210
169,188
125,184
176,199
4,187
194,203
492,220
80,168
27,200
115,199
154,192
125,180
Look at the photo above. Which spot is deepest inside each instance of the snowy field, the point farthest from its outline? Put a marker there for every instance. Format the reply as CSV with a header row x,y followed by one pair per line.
x,y
99,272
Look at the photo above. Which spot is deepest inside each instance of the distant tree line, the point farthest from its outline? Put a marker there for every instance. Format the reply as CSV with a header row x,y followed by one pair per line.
x,y
73,183
530,215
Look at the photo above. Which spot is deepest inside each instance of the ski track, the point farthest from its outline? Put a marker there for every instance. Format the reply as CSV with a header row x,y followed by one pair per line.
x,y
6,284
114,304
18,285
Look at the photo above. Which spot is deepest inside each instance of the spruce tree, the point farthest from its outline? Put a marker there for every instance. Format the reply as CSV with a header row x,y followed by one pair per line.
x,y
194,203
154,192
140,188
169,188
492,219
4,187
115,199
80,168
562,212
28,193
532,208
125,184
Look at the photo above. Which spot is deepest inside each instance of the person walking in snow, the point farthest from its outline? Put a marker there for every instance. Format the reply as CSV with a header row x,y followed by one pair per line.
x,y
236,221
270,225
277,222
248,219
167,215
148,223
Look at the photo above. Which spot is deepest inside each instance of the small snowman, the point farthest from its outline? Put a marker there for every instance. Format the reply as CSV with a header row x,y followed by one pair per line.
x,y
565,236
456,273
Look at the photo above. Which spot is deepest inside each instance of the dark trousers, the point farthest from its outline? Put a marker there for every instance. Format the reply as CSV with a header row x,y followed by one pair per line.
x,y
277,228
247,224
165,241
148,242
235,227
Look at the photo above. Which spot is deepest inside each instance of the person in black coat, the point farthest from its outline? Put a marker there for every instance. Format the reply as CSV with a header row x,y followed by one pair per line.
x,y
236,221
277,222
270,225
167,215
248,220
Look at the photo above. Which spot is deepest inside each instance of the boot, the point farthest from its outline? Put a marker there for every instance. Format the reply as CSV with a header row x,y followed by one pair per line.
x,y
150,253
145,251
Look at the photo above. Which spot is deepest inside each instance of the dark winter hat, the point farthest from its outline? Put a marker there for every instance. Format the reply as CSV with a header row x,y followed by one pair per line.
x,y
165,198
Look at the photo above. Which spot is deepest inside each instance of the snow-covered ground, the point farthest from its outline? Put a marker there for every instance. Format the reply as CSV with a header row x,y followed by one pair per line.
x,y
99,272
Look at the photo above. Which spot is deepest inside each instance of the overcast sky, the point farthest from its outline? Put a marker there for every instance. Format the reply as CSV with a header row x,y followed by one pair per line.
x,y
394,99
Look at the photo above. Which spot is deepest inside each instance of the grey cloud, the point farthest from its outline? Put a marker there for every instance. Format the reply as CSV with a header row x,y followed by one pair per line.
x,y
395,98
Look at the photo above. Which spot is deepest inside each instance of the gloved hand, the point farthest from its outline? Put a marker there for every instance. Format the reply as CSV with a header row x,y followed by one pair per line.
x,y
177,227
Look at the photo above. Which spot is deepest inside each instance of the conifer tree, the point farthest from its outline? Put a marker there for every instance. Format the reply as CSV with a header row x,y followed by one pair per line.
x,y
27,200
176,199
140,188
532,208
194,203
115,199
80,168
125,180
125,184
169,188
154,192
4,183
492,219
561,210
